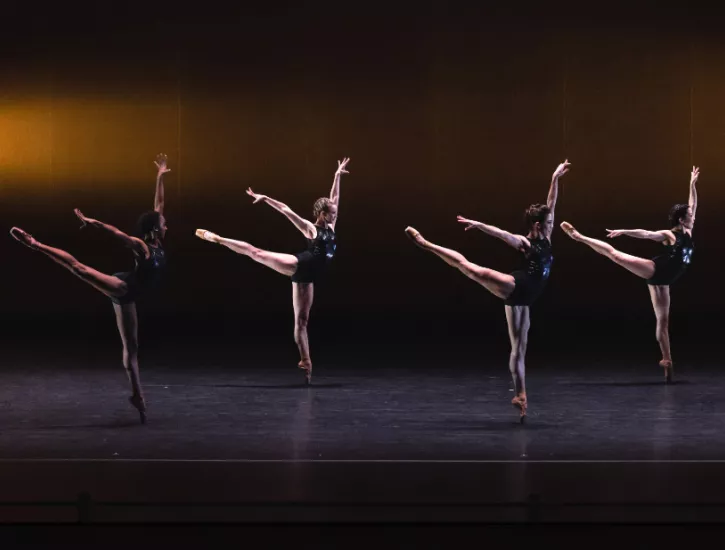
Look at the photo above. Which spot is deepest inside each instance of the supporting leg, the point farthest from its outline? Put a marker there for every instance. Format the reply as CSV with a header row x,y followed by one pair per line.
x,y
127,321
660,295
518,320
302,297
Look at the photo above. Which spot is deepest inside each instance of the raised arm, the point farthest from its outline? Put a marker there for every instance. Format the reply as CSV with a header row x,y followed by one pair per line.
x,y
518,242
306,227
159,197
335,191
134,243
659,236
693,191
562,169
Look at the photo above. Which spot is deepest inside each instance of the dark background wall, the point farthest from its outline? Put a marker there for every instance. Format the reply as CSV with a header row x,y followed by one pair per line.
x,y
443,110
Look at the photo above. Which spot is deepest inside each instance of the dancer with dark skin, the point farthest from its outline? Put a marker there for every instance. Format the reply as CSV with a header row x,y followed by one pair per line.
x,y
303,268
518,289
122,288
660,272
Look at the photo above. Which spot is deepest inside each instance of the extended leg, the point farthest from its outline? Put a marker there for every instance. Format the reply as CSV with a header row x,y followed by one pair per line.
x,y
639,266
302,296
286,264
108,284
499,284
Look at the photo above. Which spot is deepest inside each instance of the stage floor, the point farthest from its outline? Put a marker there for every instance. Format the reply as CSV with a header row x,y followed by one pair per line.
x,y
578,411
604,441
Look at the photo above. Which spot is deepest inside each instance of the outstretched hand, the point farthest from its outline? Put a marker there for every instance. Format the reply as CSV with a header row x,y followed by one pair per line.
x,y
694,175
470,224
562,169
612,233
341,166
160,163
84,219
257,197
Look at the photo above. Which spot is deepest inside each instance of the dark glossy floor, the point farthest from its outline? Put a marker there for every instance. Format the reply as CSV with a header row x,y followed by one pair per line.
x,y
605,441
578,411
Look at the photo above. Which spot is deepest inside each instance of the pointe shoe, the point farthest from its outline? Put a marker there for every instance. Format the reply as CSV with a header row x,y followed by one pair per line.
x,y
140,405
414,234
206,235
569,229
23,237
306,365
669,370
520,403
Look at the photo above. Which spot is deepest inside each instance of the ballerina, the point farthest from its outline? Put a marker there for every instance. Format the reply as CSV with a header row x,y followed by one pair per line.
x,y
124,289
304,268
519,289
661,271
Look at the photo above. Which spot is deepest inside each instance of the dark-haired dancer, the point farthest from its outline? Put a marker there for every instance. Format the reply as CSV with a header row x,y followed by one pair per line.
x,y
122,288
304,268
661,271
520,288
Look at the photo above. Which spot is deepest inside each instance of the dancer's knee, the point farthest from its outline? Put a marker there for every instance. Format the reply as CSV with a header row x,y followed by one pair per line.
x,y
130,351
471,270
616,255
663,326
78,268
517,356
254,253
301,321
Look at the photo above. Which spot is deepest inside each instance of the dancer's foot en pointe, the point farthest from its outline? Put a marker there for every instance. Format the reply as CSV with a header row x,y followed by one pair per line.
x,y
415,236
23,237
569,230
669,370
206,235
521,404
140,405
306,365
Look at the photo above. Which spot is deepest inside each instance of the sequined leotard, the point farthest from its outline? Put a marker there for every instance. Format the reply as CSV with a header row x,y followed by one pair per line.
x,y
144,277
312,262
673,263
532,277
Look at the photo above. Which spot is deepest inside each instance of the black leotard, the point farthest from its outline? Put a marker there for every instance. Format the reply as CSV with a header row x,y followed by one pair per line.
x,y
672,264
144,277
531,279
312,262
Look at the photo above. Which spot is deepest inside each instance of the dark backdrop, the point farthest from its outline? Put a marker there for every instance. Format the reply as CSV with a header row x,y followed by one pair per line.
x,y
444,110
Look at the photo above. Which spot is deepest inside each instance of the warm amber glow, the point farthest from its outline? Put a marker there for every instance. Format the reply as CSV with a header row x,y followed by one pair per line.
x,y
25,144
80,143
